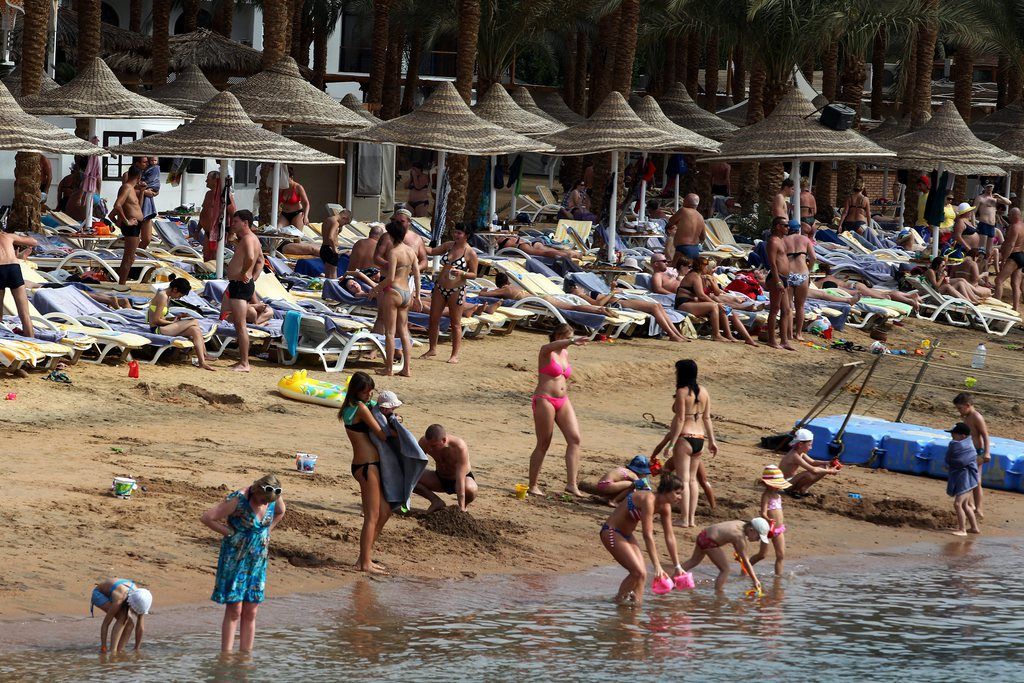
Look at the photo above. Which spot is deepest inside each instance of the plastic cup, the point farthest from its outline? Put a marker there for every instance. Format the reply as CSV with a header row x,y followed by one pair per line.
x,y
661,586
685,581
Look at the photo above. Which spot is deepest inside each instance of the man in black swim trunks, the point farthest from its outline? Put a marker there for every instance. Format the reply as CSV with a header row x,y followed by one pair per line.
x,y
127,212
12,279
453,473
242,272
1013,258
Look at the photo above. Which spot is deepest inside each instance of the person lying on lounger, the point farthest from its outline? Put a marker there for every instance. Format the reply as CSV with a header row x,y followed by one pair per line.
x,y
535,248
508,289
652,308
180,325
859,289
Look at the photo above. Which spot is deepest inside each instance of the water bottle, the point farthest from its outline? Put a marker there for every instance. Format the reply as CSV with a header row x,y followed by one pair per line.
x,y
978,359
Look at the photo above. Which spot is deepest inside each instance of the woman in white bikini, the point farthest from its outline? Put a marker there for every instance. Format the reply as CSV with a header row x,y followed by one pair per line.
x,y
394,297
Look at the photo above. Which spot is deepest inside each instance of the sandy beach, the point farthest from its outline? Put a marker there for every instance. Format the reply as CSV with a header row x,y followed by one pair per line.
x,y
190,437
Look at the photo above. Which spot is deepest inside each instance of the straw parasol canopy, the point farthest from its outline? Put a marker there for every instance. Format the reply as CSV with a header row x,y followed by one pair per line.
x,y
792,131
112,38
352,102
552,103
498,107
524,100
21,132
221,130
890,128
217,56
96,93
680,108
1011,140
13,82
613,127
445,123
946,139
280,95
998,122
189,91
651,114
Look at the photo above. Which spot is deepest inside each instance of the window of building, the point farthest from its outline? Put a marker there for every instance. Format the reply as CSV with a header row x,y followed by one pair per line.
x,y
246,173
116,166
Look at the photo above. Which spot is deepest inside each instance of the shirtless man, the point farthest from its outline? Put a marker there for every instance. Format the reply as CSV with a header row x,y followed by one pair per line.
x,y
11,278
780,202
964,403
662,282
720,177
686,229
796,459
127,213
211,213
800,252
412,239
965,234
329,249
778,275
242,272
361,257
987,202
453,473
1013,259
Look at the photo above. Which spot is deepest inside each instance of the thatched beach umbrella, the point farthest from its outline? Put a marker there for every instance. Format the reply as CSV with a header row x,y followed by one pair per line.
x,y
13,82
353,103
446,124
280,96
998,122
614,128
890,128
522,97
498,107
680,108
552,103
220,58
21,132
189,91
112,38
792,132
221,130
651,114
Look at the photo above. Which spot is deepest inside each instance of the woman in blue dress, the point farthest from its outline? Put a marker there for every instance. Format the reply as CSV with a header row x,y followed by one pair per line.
x,y
245,519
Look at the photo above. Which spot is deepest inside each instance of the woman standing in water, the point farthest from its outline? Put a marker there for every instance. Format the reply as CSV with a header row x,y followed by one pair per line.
x,y
403,267
359,422
551,407
245,519
691,427
458,265
639,507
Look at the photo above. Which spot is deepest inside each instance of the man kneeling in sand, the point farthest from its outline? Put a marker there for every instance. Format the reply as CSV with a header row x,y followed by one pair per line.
x,y
453,473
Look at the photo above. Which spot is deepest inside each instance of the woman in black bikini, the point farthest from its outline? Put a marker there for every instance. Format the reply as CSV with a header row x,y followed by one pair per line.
x,y
419,191
691,428
857,209
691,298
359,422
294,204
458,265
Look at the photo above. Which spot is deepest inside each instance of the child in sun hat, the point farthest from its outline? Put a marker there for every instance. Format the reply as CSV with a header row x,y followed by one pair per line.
x,y
772,481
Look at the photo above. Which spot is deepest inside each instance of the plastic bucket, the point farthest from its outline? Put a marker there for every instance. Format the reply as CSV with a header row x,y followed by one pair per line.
x,y
305,462
521,490
123,487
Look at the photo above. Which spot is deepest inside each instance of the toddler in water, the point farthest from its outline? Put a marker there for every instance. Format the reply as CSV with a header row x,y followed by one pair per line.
x,y
771,509
120,599
736,533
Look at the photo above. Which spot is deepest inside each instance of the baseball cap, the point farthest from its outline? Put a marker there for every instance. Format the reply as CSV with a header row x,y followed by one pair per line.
x,y
639,465
801,435
761,526
388,399
960,428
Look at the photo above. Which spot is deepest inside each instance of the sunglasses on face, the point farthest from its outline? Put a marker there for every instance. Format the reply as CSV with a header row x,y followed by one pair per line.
x,y
268,489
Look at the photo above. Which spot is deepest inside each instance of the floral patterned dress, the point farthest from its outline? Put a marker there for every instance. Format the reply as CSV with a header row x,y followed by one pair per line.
x,y
242,567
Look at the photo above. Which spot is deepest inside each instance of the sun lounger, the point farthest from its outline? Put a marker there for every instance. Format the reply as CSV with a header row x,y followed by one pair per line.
x,y
994,318
529,205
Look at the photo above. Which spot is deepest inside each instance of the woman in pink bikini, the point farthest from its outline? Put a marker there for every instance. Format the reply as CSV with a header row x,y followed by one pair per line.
x,y
551,406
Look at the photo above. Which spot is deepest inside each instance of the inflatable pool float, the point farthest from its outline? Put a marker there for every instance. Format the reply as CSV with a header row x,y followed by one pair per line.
x,y
300,387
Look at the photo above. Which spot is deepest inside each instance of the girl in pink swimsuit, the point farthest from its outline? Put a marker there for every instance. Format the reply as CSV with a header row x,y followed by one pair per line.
x,y
551,406
773,481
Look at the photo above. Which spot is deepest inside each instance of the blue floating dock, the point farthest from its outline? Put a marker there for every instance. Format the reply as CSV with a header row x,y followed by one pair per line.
x,y
912,449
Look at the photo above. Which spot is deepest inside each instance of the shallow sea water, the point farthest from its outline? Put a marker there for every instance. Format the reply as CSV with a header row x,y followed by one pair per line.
x,y
928,613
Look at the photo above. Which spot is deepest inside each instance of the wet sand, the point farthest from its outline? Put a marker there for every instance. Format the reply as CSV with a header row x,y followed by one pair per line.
x,y
190,437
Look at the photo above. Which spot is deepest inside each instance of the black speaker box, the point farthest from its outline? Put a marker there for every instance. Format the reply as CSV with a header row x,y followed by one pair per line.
x,y
837,117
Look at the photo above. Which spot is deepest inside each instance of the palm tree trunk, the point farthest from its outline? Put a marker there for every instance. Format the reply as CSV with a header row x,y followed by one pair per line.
x,y
190,15
852,93
625,51
568,64
602,62
755,112
579,103
135,16
807,69
412,72
320,56
25,208
161,45
465,61
711,72
1014,85
963,78
296,44
1002,80
391,95
224,17
693,41
682,57
830,71
927,34
908,80
739,81
668,64
378,66
878,74
769,174
275,32
88,32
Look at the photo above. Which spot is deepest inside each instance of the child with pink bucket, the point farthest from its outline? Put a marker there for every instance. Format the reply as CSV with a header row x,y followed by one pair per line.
x,y
772,482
